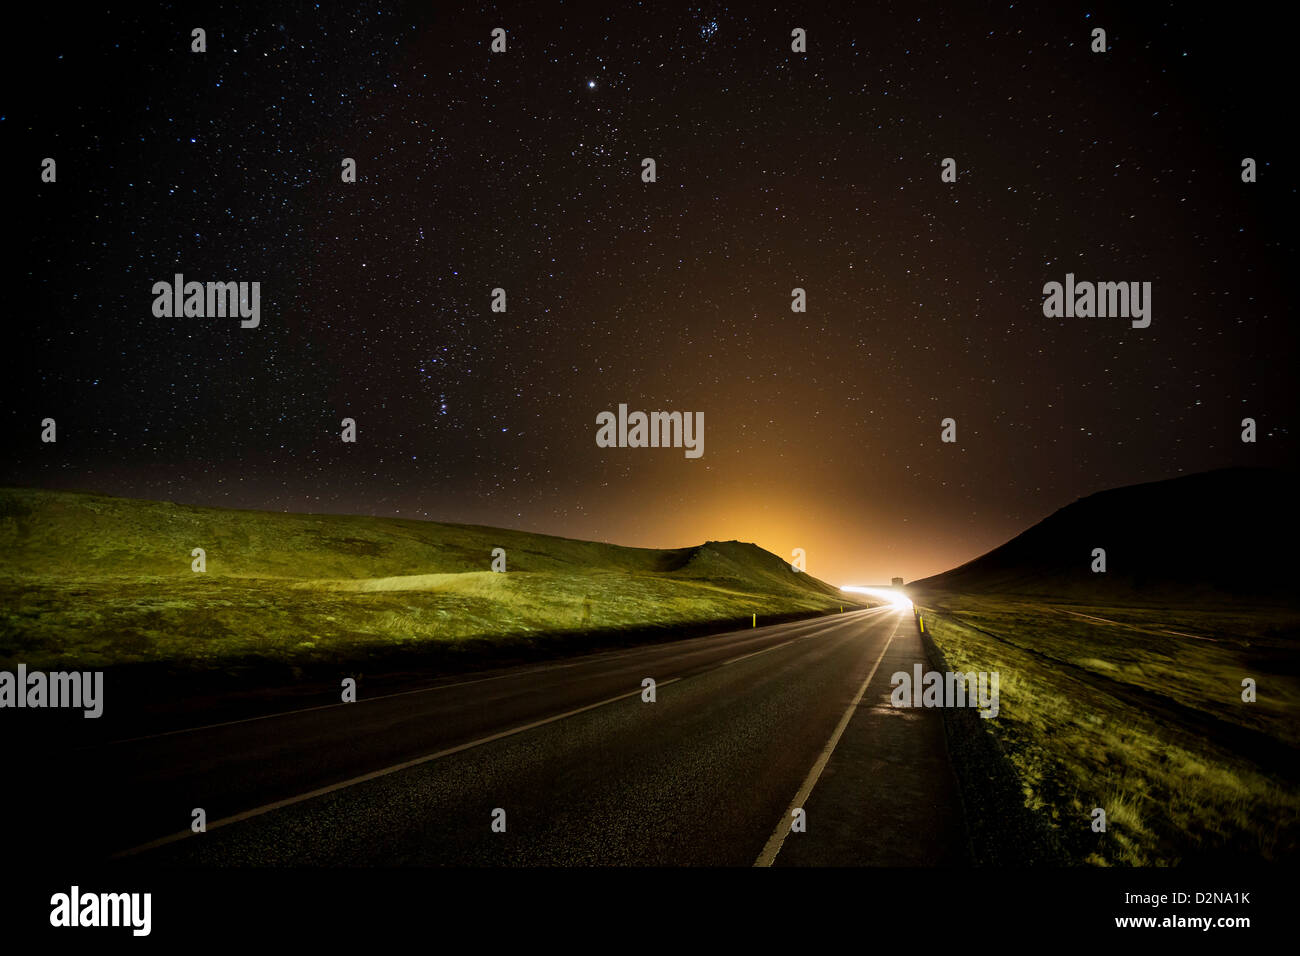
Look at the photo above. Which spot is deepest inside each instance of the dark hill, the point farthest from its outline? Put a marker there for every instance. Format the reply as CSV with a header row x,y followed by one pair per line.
x,y
1220,535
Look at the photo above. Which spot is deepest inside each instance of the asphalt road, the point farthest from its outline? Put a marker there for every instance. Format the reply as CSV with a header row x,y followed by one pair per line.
x,y
746,727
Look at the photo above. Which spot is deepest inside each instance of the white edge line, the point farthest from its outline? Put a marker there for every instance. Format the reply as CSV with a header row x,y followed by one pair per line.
x,y
289,801
375,774
417,690
777,839
395,768
745,657
308,710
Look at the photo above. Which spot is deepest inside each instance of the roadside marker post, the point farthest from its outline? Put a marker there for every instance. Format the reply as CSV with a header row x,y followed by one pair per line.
x,y
756,619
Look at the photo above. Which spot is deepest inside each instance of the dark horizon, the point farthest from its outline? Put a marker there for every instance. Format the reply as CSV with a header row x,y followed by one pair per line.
x,y
883,582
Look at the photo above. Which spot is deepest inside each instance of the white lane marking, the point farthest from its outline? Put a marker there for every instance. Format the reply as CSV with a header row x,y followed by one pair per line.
x,y
321,791
745,657
375,774
425,690
308,710
777,839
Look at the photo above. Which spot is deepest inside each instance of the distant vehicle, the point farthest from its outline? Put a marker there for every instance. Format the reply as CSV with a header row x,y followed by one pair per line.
x,y
896,583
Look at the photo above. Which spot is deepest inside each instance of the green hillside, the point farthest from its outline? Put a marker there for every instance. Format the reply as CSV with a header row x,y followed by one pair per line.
x,y
95,580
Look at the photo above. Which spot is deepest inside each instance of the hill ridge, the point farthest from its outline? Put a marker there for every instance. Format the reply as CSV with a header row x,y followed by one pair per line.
x,y
1207,536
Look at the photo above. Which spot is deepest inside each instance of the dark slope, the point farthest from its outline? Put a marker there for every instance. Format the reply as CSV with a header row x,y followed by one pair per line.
x,y
1220,535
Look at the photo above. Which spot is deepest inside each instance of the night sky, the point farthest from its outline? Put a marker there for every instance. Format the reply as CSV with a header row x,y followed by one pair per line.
x,y
775,170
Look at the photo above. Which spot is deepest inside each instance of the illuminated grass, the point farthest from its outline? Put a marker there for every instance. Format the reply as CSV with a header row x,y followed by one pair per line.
x,y
102,581
1147,725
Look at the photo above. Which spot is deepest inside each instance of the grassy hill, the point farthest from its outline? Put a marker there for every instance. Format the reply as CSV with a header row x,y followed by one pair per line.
x,y
1213,537
93,580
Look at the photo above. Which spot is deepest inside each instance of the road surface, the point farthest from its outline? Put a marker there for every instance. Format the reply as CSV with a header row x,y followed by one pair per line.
x,y
746,727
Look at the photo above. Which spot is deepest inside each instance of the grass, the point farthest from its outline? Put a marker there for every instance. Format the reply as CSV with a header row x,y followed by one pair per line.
x,y
96,581
1138,710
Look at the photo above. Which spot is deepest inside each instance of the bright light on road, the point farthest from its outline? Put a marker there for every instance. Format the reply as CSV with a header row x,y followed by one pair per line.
x,y
896,598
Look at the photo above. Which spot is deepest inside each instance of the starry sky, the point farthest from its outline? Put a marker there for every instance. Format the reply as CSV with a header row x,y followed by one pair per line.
x,y
775,170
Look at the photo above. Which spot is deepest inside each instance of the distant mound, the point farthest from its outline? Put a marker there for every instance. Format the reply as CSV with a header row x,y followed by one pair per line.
x,y
1217,536
741,562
